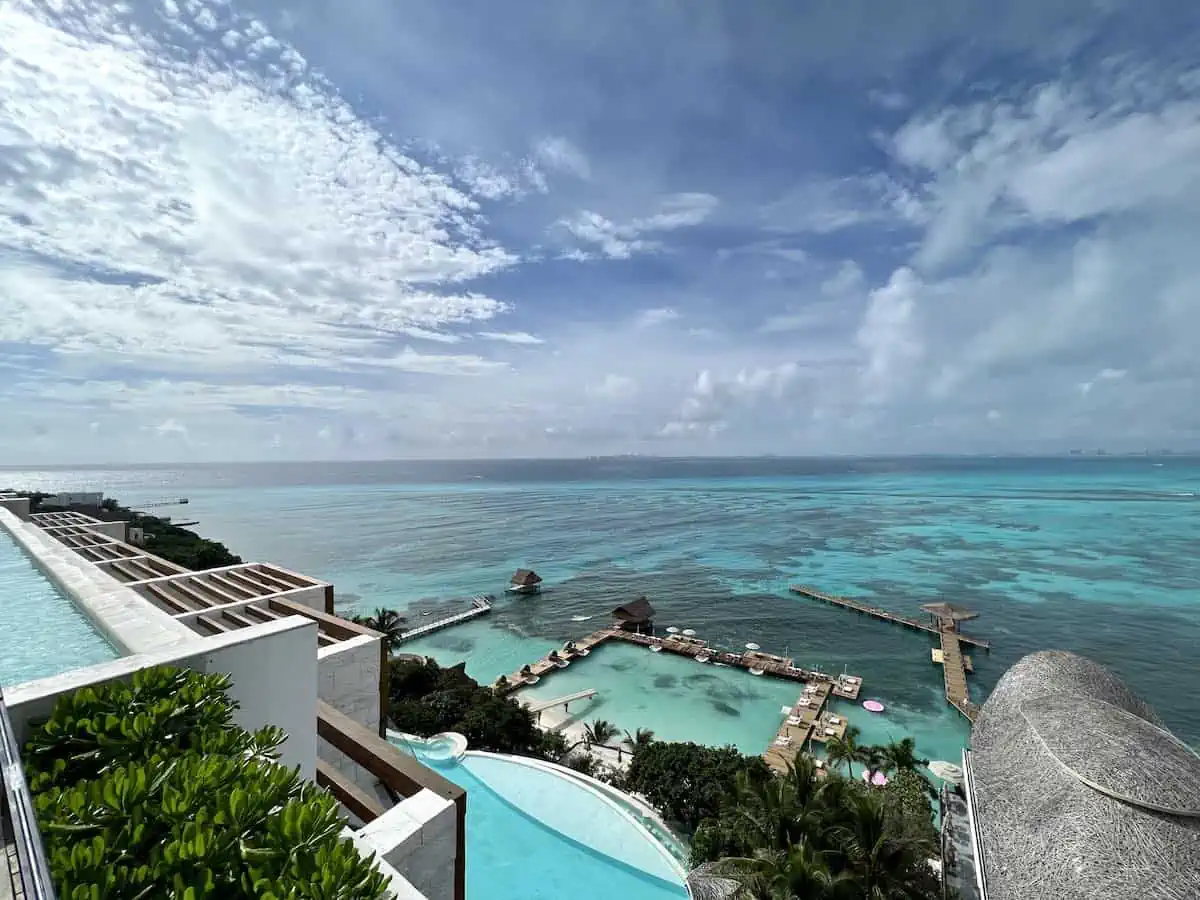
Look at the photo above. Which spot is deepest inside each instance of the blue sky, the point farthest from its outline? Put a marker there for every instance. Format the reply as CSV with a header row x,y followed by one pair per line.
x,y
252,229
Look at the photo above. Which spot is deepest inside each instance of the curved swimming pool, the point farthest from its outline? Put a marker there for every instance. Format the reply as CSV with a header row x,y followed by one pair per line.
x,y
533,834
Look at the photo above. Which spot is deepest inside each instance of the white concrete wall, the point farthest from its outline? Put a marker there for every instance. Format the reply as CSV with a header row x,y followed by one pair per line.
x,y
273,668
18,506
418,839
312,597
129,621
116,530
348,680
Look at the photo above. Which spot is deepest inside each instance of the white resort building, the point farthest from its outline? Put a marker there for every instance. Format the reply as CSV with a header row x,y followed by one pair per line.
x,y
292,662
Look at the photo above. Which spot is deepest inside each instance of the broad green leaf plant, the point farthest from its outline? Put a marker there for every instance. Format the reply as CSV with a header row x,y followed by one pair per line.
x,y
147,790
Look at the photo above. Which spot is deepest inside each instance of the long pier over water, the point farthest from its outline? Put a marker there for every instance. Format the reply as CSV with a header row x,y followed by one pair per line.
x,y
954,664
885,615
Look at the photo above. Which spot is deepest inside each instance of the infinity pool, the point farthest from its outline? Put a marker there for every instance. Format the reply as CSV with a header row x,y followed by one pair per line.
x,y
533,834
44,634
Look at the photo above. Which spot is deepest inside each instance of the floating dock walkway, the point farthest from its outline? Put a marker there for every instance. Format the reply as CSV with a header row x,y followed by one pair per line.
x,y
883,614
479,606
953,671
806,720
543,705
955,666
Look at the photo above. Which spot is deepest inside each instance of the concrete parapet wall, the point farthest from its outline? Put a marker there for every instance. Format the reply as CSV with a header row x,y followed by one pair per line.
x,y
129,621
418,838
348,674
273,667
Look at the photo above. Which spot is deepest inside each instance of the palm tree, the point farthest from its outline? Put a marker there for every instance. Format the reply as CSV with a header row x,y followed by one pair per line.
x,y
387,622
845,749
599,733
872,848
796,873
638,739
901,756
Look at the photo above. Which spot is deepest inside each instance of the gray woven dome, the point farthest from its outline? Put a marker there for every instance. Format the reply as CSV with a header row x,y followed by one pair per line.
x,y
1080,791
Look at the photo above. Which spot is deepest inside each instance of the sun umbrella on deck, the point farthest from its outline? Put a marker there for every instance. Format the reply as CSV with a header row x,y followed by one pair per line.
x,y
947,771
689,632
672,630
753,646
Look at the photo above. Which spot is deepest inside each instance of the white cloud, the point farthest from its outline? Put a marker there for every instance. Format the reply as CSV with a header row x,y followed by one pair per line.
x,y
511,337
648,318
621,241
615,387
171,428
560,155
213,211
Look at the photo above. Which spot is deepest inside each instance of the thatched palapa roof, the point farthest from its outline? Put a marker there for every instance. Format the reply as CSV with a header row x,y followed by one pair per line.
x,y
949,611
1079,790
526,577
639,610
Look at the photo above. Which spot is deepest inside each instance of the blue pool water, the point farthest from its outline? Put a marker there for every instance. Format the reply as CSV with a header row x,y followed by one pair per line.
x,y
536,835
44,634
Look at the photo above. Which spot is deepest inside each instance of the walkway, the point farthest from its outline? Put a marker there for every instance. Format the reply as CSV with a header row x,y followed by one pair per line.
x,y
955,676
881,613
480,606
561,701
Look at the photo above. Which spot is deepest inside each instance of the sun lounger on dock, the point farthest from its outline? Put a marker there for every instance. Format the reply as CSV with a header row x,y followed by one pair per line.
x,y
782,741
794,720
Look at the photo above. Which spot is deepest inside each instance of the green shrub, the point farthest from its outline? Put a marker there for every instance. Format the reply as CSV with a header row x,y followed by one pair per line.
x,y
148,790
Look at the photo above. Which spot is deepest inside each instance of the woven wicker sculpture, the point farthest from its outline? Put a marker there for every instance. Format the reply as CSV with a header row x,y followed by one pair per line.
x,y
1080,792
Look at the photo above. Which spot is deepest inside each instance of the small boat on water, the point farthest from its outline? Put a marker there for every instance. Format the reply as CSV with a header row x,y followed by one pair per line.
x,y
758,670
703,657
656,648
525,581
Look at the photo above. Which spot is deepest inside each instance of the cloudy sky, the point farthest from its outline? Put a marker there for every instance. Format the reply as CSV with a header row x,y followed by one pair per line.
x,y
260,229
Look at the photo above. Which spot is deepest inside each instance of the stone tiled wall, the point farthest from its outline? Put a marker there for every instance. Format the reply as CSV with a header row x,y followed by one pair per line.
x,y
348,680
417,838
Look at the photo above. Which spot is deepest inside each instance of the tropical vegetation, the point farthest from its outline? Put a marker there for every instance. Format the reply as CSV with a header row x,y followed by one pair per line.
x,y
425,699
689,783
148,789
387,622
807,835
172,543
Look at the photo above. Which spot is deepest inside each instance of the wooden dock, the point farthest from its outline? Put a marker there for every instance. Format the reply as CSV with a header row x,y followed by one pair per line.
x,y
955,676
955,666
479,607
883,614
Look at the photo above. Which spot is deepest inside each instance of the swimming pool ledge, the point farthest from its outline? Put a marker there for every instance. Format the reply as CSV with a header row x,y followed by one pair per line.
x,y
673,864
129,621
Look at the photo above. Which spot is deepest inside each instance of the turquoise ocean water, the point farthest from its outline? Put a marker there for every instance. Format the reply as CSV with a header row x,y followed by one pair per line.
x,y
1095,555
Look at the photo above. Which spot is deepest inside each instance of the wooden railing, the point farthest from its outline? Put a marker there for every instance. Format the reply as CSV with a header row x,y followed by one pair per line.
x,y
397,771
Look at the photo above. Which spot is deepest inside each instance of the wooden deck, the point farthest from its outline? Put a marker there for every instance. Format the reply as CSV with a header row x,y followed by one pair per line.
x,y
955,666
883,614
956,677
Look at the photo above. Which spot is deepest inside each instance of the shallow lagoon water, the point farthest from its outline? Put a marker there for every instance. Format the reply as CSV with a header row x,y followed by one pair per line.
x,y
1091,555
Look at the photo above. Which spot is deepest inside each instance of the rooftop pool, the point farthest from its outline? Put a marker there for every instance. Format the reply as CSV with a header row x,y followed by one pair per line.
x,y
44,634
536,834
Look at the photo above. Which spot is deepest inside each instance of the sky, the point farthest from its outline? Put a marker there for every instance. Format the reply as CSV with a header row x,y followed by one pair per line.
x,y
305,229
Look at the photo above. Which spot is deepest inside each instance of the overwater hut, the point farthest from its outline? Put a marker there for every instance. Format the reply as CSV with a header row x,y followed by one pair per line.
x,y
637,615
525,581
948,613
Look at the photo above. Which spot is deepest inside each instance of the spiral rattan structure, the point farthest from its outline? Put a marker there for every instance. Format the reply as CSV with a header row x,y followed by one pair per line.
x,y
1079,791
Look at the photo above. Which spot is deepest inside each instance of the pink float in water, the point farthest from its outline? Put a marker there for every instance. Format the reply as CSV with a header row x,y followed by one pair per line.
x,y
873,705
